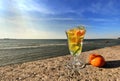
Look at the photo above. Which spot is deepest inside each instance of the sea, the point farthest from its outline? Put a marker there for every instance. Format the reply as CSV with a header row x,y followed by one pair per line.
x,y
24,50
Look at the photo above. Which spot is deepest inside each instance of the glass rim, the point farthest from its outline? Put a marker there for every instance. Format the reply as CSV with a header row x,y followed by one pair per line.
x,y
79,27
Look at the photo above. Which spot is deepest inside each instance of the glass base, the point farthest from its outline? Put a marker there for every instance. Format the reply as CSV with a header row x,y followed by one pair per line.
x,y
75,64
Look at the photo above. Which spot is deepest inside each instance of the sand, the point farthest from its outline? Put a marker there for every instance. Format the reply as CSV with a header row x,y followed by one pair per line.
x,y
54,69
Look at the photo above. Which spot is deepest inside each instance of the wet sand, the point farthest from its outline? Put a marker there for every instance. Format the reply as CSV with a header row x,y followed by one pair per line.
x,y
53,69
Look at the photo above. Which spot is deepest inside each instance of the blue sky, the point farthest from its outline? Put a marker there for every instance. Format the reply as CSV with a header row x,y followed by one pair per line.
x,y
48,19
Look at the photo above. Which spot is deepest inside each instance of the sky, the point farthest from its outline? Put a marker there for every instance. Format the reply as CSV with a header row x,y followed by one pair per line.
x,y
49,19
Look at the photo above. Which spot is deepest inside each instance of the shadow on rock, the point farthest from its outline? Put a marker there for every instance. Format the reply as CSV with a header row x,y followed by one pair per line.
x,y
112,64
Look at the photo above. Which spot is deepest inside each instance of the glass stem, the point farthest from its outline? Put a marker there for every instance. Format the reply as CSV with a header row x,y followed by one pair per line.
x,y
76,58
77,63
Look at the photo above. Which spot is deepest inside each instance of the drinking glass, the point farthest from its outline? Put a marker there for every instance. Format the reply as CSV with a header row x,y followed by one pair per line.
x,y
75,38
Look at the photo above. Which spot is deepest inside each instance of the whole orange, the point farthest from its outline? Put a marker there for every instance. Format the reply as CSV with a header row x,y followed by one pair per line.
x,y
96,60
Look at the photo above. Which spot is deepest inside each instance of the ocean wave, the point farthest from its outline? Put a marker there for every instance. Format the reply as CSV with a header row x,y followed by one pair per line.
x,y
42,45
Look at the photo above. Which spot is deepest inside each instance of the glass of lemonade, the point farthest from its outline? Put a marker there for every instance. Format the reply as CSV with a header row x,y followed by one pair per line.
x,y
75,38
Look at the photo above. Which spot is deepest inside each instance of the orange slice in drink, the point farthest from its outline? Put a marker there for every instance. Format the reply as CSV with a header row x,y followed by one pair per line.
x,y
80,32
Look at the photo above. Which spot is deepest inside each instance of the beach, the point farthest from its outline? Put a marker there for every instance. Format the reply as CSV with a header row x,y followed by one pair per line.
x,y
54,69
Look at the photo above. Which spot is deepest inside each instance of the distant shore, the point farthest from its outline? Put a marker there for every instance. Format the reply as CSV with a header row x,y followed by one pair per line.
x,y
53,69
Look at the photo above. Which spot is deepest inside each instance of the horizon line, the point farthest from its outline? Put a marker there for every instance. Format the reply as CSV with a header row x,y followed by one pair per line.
x,y
54,38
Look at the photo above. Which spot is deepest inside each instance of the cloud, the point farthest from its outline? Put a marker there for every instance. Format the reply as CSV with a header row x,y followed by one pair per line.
x,y
108,7
1,5
104,19
21,28
25,31
42,8
31,18
31,5
50,19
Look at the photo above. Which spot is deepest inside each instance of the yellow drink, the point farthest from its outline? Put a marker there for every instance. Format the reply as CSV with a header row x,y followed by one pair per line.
x,y
75,39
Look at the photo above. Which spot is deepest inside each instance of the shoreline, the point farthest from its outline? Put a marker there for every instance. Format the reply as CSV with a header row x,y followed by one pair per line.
x,y
19,51
53,69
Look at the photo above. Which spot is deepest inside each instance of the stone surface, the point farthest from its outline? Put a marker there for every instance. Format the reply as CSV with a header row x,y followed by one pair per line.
x,y
54,69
